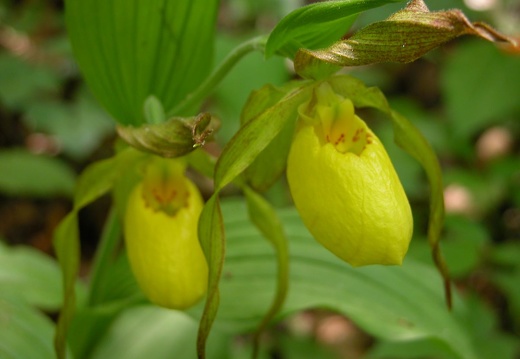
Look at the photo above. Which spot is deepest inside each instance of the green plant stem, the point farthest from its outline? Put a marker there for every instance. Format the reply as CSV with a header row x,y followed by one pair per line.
x,y
254,44
109,242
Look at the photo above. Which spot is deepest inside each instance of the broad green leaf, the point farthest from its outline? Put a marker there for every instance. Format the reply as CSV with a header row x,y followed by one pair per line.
x,y
482,324
295,346
395,303
316,25
212,240
271,162
28,174
130,49
256,135
30,276
95,181
22,82
413,142
479,95
464,245
263,216
24,331
91,324
158,333
403,37
506,274
508,283
422,348
78,127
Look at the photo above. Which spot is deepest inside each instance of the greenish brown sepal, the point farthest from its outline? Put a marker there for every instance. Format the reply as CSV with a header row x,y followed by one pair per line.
x,y
175,137
404,37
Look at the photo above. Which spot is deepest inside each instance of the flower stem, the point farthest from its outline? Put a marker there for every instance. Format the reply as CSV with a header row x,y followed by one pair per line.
x,y
254,44
110,240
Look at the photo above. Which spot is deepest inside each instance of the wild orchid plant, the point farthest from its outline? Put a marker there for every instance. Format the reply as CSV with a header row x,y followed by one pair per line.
x,y
147,62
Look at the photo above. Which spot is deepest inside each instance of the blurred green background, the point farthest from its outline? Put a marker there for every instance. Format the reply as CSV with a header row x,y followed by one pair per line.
x,y
465,97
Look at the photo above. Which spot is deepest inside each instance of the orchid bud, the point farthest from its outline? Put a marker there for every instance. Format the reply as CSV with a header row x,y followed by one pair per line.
x,y
344,185
161,236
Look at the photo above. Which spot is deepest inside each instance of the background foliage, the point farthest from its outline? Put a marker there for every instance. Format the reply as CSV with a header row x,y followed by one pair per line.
x,y
464,97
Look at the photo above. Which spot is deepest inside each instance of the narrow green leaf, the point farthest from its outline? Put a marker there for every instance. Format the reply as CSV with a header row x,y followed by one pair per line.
x,y
98,178
316,25
95,181
212,240
66,244
263,216
130,49
267,96
256,135
411,140
270,164
105,252
19,168
403,37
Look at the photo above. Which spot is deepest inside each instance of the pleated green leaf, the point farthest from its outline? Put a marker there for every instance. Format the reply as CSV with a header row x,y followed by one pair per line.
x,y
25,332
316,25
128,50
30,276
403,37
156,333
397,303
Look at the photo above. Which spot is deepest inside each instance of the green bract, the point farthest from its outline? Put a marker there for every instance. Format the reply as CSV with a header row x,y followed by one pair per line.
x,y
344,185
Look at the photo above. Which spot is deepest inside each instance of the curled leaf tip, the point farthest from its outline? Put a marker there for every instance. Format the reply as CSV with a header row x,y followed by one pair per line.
x,y
404,37
173,138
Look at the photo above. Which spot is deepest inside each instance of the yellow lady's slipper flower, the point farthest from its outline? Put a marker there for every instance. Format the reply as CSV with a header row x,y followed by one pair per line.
x,y
344,185
161,236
